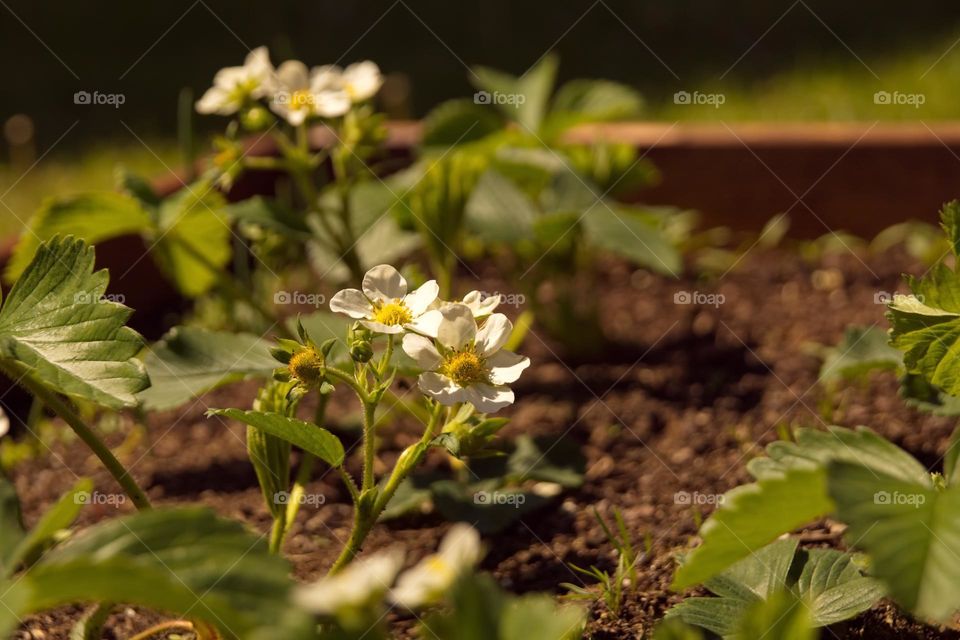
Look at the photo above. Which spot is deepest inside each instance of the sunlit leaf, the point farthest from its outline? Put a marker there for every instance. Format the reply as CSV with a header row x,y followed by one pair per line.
x,y
58,324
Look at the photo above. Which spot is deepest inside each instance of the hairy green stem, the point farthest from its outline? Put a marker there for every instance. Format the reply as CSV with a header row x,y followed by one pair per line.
x,y
369,444
365,516
62,408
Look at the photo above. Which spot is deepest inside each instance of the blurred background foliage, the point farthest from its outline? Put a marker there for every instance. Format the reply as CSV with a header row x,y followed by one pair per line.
x,y
783,60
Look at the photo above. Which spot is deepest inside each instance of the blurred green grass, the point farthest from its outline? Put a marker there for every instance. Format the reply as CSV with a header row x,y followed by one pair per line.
x,y
24,186
839,90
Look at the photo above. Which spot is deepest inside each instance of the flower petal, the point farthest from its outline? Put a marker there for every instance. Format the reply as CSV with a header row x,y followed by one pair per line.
x,y
461,547
383,282
480,304
422,350
293,75
331,103
258,66
458,328
506,366
427,323
326,78
440,388
215,100
379,327
421,299
493,334
487,398
360,584
363,80
351,302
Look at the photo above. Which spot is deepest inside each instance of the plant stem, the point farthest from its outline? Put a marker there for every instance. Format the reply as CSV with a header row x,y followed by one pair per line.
x,y
365,518
277,533
369,444
62,408
235,289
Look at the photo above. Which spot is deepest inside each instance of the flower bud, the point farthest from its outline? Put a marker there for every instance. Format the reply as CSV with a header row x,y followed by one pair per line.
x,y
255,118
361,351
359,338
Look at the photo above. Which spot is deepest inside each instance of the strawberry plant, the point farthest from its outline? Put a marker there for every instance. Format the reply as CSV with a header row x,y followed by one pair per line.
x,y
455,351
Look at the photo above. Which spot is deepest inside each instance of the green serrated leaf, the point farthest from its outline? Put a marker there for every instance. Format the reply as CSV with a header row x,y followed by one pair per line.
x,y
60,516
459,121
57,323
791,490
93,217
616,229
308,437
189,361
538,617
11,523
522,99
752,516
269,214
833,587
183,561
783,617
559,461
582,101
862,349
911,531
193,238
498,211
950,221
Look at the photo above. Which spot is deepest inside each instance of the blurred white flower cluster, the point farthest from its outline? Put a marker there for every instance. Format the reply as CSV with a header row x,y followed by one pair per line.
x,y
292,90
457,345
368,582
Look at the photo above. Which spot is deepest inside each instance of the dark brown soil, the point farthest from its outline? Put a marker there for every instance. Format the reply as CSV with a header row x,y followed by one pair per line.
x,y
687,396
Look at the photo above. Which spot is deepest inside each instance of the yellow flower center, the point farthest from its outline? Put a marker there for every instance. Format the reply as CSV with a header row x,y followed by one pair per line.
x,y
301,99
437,565
307,366
465,368
393,313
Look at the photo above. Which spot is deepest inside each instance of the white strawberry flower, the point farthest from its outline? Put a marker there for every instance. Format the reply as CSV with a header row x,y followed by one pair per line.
x,y
384,306
360,81
361,584
300,94
467,364
4,423
429,580
233,87
481,304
